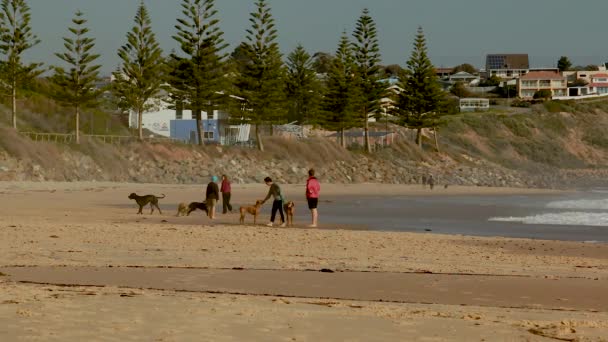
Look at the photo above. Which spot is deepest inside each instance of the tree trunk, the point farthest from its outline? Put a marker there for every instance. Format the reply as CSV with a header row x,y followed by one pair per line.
x,y
199,127
419,137
368,147
436,140
77,124
258,137
140,117
14,104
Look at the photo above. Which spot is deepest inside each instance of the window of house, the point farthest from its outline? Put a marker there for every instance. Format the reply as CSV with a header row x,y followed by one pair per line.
x,y
208,135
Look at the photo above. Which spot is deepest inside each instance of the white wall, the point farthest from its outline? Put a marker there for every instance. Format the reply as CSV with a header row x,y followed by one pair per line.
x,y
158,121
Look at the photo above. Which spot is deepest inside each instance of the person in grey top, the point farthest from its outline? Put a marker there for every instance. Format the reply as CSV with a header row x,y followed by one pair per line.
x,y
277,204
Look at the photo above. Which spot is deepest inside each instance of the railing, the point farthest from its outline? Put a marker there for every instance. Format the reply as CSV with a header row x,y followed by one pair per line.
x,y
111,139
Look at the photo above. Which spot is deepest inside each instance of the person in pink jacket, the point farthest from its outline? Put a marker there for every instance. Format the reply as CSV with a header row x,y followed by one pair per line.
x,y
312,196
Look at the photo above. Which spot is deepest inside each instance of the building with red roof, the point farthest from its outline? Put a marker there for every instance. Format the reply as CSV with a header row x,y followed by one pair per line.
x,y
534,81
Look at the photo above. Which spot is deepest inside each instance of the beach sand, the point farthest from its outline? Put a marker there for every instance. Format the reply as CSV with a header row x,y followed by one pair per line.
x,y
94,224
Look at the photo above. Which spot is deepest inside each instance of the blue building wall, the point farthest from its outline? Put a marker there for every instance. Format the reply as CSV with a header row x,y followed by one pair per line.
x,y
186,130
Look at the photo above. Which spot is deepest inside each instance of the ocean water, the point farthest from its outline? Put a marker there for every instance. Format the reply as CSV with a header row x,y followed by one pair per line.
x,y
579,216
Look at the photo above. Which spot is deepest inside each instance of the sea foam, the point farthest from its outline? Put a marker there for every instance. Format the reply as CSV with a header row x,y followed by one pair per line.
x,y
573,218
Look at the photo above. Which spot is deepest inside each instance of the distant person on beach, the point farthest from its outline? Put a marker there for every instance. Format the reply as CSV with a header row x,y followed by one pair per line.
x,y
424,181
431,182
312,196
212,196
277,204
226,192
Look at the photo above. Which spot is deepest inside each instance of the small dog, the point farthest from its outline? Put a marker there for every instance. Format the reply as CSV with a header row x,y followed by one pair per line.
x,y
253,210
182,209
290,210
142,201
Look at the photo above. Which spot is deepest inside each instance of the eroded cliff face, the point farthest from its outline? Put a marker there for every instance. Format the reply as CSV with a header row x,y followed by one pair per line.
x,y
557,150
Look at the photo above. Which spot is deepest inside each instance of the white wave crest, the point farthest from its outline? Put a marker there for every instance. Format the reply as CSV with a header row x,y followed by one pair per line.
x,y
565,219
600,204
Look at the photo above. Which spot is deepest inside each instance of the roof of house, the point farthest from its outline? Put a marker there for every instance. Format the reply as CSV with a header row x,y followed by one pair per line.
x,y
599,75
463,74
542,75
507,61
599,85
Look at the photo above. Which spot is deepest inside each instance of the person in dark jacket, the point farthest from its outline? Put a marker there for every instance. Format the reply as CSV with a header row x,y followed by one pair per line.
x,y
212,196
226,192
277,204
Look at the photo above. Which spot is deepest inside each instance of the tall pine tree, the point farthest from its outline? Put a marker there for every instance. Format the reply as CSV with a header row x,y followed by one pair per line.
x,y
261,80
140,76
342,96
16,37
367,58
199,78
76,86
303,87
420,102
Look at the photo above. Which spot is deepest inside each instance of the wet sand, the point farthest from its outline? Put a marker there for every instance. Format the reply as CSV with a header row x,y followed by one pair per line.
x,y
452,289
94,225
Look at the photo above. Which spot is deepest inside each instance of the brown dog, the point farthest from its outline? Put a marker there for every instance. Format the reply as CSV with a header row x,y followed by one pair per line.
x,y
253,210
142,201
182,209
290,210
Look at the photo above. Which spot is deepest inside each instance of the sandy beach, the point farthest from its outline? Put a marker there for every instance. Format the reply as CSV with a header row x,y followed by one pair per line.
x,y
94,225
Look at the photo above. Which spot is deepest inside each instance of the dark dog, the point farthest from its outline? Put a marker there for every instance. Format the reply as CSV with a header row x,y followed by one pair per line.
x,y
253,210
142,201
290,210
197,205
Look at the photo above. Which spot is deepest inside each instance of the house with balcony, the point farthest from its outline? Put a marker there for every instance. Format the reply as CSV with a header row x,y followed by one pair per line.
x,y
529,84
507,66
599,84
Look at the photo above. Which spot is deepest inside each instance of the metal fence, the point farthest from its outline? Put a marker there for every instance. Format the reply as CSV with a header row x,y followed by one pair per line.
x,y
110,139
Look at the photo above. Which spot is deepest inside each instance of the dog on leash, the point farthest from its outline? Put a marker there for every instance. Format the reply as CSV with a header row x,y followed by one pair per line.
x,y
252,209
290,210
142,201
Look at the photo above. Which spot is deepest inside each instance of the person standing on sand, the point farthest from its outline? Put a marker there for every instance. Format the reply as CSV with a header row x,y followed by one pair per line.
x,y
226,190
431,182
424,181
212,196
312,196
277,204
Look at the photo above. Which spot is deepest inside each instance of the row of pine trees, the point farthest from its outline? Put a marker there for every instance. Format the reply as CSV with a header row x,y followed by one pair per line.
x,y
253,83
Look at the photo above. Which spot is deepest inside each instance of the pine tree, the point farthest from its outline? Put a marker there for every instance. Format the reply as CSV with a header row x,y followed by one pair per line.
x,y
260,81
367,58
421,101
302,87
342,95
16,37
139,78
200,77
76,87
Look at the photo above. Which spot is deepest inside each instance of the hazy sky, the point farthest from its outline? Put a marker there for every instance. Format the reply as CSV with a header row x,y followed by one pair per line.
x,y
457,31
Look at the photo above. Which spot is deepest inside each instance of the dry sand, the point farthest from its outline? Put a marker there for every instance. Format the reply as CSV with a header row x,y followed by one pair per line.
x,y
94,224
